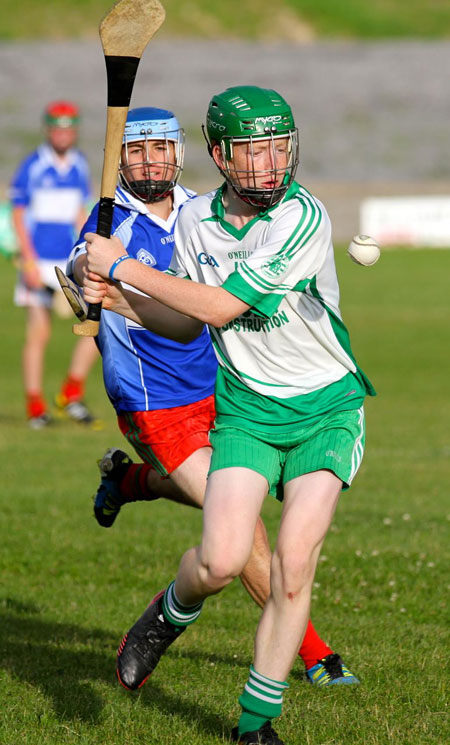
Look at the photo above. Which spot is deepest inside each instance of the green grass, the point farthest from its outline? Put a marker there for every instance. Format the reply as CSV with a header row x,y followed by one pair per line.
x,y
376,19
69,589
248,19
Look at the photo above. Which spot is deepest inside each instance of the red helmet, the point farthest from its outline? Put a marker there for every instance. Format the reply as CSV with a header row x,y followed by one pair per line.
x,y
61,114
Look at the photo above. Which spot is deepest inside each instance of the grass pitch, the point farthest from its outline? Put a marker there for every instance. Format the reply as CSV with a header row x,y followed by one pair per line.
x,y
299,20
70,589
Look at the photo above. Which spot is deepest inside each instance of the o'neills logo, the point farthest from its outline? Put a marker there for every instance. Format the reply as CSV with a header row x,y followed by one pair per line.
x,y
268,119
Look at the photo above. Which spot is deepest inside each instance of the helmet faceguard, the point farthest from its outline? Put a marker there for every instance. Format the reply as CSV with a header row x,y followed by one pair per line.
x,y
145,125
252,116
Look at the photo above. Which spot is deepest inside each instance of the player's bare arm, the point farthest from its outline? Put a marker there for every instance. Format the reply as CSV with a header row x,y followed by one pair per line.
x,y
141,309
81,218
212,305
28,258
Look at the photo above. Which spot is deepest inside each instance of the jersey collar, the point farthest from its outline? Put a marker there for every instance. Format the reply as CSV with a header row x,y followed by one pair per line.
x,y
218,211
180,196
61,166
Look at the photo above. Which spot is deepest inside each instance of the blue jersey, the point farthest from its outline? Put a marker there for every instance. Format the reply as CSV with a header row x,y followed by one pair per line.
x,y
143,371
53,192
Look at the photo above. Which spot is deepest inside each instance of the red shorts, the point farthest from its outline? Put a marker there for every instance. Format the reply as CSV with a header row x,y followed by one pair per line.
x,y
165,438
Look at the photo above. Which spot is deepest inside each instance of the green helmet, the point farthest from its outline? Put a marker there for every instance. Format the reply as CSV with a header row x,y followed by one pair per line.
x,y
244,114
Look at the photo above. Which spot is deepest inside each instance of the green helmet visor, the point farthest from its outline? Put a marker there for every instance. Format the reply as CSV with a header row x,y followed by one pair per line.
x,y
260,169
258,140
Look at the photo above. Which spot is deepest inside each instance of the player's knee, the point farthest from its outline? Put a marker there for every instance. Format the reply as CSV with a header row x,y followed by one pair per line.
x,y
221,569
38,334
292,571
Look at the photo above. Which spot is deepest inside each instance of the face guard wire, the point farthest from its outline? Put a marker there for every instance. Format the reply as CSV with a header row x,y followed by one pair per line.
x,y
150,190
254,195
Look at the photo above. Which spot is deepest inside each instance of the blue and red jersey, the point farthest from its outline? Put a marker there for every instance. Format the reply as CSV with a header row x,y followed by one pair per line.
x,y
143,371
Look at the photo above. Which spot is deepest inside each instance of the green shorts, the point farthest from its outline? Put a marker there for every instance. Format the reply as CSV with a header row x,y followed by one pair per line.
x,y
335,443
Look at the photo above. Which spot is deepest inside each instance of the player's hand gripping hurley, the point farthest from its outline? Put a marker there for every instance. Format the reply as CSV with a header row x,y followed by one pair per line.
x,y
124,32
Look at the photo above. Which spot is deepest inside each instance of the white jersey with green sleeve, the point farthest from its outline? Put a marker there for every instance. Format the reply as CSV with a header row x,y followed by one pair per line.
x,y
291,346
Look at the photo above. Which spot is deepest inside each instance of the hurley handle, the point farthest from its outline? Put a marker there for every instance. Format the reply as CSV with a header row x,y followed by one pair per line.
x,y
124,32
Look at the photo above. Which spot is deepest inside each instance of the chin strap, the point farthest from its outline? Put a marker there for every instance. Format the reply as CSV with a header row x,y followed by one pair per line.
x,y
151,191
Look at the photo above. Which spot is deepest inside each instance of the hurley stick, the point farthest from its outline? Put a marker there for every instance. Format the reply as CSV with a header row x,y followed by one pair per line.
x,y
124,32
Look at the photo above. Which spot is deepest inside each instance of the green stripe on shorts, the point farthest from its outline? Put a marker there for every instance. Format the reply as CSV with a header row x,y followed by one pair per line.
x,y
338,446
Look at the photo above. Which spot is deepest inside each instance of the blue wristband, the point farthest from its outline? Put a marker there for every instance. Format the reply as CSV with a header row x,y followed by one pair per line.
x,y
116,264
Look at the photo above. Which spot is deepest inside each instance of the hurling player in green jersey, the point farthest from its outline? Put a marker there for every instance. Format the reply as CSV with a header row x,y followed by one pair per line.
x,y
289,393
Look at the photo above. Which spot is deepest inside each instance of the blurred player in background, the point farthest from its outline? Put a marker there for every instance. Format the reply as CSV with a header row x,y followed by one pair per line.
x,y
289,394
161,389
48,193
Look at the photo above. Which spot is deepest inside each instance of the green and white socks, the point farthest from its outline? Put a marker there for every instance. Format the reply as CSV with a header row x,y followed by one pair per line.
x,y
261,701
178,614
262,698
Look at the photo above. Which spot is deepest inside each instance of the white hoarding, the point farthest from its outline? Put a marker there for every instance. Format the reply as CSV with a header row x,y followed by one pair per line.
x,y
407,221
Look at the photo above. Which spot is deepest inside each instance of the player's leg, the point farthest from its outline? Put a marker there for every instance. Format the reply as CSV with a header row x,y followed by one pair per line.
x,y
254,453
311,492
323,665
190,477
84,355
187,484
37,335
228,530
308,508
339,441
70,398
175,449
233,500
177,442
256,574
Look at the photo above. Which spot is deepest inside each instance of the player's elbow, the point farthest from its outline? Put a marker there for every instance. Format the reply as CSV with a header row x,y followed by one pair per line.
x,y
217,319
221,316
226,309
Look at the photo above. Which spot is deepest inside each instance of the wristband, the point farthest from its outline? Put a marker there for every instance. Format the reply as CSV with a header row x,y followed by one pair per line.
x,y
116,264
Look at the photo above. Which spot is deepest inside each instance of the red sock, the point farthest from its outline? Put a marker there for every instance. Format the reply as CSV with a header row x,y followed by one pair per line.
x,y
35,404
134,484
313,647
72,389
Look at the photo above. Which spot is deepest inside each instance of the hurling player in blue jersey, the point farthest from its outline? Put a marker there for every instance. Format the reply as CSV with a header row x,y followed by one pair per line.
x,y
49,192
162,390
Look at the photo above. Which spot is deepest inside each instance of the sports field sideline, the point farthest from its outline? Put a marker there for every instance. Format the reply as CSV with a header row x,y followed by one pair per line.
x,y
69,589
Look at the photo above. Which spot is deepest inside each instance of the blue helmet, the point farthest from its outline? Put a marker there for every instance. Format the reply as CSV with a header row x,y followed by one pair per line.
x,y
143,125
